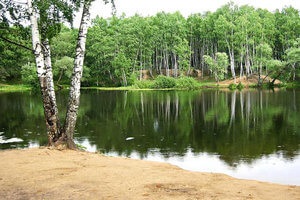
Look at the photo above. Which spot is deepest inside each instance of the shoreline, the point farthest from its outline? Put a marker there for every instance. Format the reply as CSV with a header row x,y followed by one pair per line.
x,y
43,173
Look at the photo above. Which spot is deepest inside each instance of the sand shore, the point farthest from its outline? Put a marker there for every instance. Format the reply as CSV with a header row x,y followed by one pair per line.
x,y
43,173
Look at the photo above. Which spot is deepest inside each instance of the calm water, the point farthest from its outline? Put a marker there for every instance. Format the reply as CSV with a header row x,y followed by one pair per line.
x,y
249,134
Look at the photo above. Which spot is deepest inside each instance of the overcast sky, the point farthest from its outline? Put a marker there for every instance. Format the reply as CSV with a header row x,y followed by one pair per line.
x,y
186,7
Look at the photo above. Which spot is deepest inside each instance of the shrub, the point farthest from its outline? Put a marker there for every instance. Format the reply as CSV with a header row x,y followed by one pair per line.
x,y
186,83
143,84
164,82
132,79
232,86
29,76
240,86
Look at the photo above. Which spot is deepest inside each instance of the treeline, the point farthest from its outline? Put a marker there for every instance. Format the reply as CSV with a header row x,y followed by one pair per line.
x,y
123,49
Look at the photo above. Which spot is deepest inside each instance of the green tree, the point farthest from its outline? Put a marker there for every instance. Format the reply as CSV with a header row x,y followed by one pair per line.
x,y
218,65
226,31
62,69
293,58
263,55
121,67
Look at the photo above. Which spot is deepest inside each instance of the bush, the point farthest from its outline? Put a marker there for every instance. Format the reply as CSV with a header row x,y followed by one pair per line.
x,y
164,82
143,84
232,86
186,83
29,76
240,86
132,79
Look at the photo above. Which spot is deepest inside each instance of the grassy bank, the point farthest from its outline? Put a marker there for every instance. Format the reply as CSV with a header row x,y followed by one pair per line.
x,y
162,83
14,88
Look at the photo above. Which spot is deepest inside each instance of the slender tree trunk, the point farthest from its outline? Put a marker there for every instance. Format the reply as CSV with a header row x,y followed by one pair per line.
x,y
124,77
241,66
141,66
231,54
74,96
51,111
294,71
247,62
175,73
44,73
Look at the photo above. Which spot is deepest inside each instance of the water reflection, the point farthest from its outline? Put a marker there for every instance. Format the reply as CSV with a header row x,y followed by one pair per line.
x,y
238,133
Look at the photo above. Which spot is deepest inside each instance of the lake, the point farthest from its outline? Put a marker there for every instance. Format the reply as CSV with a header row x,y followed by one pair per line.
x,y
252,134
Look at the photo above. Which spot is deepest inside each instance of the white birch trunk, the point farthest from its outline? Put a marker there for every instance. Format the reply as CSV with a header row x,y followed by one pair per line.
x,y
44,73
231,54
231,57
51,111
36,43
74,96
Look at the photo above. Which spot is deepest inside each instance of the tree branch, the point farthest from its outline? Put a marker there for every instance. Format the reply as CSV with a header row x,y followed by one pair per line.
x,y
14,43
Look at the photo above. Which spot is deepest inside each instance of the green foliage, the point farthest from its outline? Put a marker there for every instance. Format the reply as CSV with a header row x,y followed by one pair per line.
x,y
240,86
118,47
13,57
218,65
187,83
29,75
13,88
144,84
62,68
232,86
121,66
3,74
162,82
63,44
132,79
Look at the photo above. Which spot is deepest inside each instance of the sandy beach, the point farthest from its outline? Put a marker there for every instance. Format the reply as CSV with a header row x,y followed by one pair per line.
x,y
43,173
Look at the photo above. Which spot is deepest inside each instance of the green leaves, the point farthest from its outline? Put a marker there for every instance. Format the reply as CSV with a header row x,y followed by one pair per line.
x,y
29,75
218,65
166,43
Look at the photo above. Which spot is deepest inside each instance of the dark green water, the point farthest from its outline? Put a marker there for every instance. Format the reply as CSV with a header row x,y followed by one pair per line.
x,y
249,134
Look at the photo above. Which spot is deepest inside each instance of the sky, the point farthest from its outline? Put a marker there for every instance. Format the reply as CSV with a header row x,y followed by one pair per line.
x,y
186,7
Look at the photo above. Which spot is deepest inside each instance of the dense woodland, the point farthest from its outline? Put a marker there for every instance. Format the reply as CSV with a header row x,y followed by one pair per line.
x,y
232,42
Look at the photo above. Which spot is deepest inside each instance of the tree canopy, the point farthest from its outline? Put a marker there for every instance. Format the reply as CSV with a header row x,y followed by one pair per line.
x,y
122,48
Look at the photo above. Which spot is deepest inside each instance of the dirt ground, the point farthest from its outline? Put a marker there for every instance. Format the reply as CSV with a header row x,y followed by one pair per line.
x,y
253,79
44,173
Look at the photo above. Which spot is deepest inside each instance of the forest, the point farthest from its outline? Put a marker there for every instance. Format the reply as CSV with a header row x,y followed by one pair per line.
x,y
230,43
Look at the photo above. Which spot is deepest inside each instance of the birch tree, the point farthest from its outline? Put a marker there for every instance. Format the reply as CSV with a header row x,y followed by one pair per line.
x,y
74,95
44,73
217,65
58,135
226,29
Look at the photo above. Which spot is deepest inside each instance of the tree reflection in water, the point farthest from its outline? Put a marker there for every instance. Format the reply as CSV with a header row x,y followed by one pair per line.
x,y
238,128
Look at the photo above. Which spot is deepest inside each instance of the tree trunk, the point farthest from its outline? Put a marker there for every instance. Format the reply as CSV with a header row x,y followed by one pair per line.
x,y
247,62
241,66
175,73
44,73
231,54
294,71
51,111
74,96
124,77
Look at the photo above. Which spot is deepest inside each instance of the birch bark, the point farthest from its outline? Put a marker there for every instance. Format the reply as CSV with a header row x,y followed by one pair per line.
x,y
44,73
74,96
51,111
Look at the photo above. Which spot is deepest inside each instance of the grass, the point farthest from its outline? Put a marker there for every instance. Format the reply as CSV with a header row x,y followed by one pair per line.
x,y
142,85
293,85
14,88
